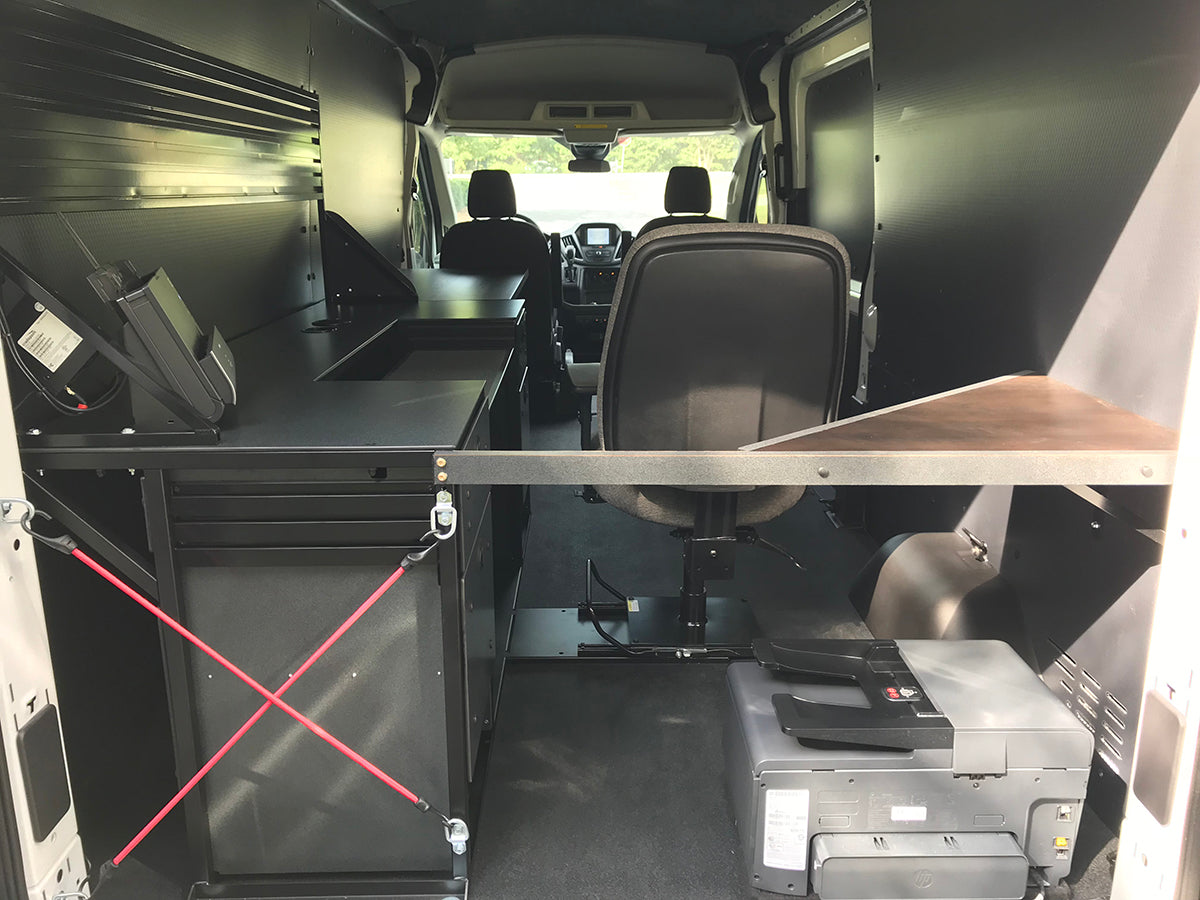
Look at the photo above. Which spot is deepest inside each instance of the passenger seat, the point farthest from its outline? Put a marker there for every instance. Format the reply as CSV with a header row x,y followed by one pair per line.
x,y
688,199
495,242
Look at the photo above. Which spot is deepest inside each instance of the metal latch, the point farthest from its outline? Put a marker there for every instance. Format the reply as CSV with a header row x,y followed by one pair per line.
x,y
870,335
979,547
457,835
443,518
443,522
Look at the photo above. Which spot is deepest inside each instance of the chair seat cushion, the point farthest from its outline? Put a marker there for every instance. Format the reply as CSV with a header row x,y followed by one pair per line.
x,y
677,506
585,377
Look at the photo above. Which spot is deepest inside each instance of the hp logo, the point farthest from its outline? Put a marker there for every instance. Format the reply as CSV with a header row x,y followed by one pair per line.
x,y
923,878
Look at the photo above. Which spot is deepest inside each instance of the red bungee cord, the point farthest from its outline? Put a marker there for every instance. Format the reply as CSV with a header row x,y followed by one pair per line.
x,y
250,723
456,831
271,699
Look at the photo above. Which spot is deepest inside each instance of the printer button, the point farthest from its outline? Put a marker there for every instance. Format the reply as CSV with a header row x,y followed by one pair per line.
x,y
834,821
903,693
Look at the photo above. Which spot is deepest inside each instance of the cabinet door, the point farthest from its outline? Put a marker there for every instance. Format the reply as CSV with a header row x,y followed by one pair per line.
x,y
477,590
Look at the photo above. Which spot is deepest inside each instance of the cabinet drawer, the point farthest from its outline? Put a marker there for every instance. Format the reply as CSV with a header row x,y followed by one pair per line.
x,y
323,507
299,534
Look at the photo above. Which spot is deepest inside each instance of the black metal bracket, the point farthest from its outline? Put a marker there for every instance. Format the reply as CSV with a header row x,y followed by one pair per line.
x,y
138,375
356,272
126,561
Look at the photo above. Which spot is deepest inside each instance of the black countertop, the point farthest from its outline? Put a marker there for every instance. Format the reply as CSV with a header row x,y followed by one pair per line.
x,y
447,284
293,409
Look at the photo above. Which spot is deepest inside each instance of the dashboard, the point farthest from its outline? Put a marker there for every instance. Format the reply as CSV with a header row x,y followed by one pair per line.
x,y
591,267
596,243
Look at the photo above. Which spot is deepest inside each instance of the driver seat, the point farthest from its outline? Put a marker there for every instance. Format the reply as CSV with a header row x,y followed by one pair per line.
x,y
495,242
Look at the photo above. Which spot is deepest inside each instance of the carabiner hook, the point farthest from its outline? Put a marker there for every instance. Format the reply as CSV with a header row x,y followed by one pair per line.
x,y
63,544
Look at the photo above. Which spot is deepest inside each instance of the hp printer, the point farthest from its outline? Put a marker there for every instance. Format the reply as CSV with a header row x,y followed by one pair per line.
x,y
887,770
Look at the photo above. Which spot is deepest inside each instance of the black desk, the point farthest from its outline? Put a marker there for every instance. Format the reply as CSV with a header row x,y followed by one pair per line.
x,y
262,543
448,284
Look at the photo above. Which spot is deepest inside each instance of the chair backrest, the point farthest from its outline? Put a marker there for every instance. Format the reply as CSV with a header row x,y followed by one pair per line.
x,y
723,335
687,199
494,243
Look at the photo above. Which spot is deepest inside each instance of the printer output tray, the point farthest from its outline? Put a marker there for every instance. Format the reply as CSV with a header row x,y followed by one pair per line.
x,y
931,866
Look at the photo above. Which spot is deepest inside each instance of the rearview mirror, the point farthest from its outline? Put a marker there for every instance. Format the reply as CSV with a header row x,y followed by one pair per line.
x,y
589,165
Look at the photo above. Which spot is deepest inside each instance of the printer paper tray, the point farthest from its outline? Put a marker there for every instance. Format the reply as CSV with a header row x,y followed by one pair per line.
x,y
933,866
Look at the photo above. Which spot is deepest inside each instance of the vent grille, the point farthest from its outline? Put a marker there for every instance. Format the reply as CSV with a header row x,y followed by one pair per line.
x,y
1102,713
567,112
612,112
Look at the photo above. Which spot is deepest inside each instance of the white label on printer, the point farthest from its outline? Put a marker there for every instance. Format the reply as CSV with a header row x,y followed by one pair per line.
x,y
909,813
785,830
49,340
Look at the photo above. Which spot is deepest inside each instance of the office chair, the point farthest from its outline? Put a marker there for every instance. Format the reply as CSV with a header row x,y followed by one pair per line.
x,y
719,336
687,199
498,240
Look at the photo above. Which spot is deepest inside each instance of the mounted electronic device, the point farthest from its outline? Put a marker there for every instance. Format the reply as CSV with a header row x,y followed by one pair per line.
x,y
160,332
181,379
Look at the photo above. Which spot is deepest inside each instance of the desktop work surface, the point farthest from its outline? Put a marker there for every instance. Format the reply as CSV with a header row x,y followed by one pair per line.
x,y
1015,430
307,388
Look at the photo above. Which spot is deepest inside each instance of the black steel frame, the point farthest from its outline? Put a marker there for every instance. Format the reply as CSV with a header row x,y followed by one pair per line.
x,y
131,565
169,560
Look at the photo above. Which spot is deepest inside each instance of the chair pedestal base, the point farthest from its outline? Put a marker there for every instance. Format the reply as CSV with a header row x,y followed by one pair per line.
x,y
653,623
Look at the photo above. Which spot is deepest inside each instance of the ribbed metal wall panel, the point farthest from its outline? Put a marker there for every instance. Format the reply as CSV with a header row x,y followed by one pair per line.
x,y
266,36
94,115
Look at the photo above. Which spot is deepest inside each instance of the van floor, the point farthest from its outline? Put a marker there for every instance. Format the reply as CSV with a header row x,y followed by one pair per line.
x,y
607,778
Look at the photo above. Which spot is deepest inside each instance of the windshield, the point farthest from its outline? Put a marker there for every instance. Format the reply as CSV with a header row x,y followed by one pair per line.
x,y
557,200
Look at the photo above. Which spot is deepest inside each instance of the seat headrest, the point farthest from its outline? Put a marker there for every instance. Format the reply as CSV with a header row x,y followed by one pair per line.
x,y
688,190
491,195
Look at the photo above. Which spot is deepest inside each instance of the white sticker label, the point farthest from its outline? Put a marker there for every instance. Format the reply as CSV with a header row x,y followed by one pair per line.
x,y
908,813
49,341
785,830
631,604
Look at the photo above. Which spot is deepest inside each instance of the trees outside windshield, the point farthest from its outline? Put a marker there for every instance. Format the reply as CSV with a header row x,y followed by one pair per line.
x,y
630,195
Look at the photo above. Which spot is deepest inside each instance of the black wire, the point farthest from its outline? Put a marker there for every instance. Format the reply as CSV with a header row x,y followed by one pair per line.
x,y
595,619
604,584
627,650
775,548
639,651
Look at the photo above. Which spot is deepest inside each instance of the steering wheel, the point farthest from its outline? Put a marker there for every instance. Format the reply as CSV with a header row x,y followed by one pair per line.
x,y
527,219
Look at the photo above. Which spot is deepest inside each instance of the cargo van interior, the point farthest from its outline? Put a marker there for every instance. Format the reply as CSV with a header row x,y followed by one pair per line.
x,y
702,364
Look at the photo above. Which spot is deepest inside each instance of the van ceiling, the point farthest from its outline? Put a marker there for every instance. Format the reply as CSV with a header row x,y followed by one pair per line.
x,y
719,23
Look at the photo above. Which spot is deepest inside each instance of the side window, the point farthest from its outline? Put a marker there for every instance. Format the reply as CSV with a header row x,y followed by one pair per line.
x,y
421,224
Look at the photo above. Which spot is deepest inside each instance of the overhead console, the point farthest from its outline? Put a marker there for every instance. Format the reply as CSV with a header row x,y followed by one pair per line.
x,y
568,83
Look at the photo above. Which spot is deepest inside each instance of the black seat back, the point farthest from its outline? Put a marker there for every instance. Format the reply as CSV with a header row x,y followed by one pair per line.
x,y
688,199
723,335
494,243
